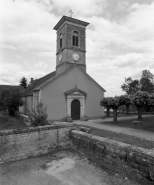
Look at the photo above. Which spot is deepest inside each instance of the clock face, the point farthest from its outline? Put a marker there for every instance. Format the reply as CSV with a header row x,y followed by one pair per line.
x,y
76,56
60,57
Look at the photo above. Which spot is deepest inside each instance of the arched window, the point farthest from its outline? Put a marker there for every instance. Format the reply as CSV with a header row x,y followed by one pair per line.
x,y
61,40
75,38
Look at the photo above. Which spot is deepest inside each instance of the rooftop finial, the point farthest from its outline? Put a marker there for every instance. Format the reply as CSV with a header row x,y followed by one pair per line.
x,y
71,12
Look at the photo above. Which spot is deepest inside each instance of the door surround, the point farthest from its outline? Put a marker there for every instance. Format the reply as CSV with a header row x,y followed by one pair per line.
x,y
72,95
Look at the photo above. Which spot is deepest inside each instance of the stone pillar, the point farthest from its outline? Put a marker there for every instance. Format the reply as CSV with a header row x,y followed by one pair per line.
x,y
82,110
69,107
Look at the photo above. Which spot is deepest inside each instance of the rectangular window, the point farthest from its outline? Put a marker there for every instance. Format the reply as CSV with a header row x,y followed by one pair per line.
x,y
60,42
75,41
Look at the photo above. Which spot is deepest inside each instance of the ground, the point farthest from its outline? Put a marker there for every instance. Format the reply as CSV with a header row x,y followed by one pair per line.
x,y
123,121
126,133
123,131
126,121
140,142
7,122
63,168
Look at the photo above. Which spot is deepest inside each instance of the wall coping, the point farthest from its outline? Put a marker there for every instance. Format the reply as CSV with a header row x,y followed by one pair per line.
x,y
34,129
98,139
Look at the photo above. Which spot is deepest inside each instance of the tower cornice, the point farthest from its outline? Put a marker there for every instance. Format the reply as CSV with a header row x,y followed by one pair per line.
x,y
71,20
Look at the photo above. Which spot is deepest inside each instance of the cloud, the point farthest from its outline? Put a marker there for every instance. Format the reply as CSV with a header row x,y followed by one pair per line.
x,y
122,6
45,54
26,25
114,47
8,46
130,59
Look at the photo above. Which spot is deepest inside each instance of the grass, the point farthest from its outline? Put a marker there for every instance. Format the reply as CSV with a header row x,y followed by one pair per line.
x,y
7,122
147,123
132,140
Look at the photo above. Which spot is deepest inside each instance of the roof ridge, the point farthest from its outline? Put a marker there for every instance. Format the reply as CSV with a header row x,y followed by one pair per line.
x,y
38,82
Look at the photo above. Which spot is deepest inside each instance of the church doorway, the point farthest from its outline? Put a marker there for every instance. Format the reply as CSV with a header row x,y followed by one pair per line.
x,y
75,109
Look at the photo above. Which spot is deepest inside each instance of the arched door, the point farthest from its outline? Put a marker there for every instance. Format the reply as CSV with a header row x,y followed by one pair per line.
x,y
75,109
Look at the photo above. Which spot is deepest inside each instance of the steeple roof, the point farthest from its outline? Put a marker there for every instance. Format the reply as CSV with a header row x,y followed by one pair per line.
x,y
71,20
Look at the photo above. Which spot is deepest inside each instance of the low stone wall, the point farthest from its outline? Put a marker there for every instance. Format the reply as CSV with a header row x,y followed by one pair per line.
x,y
115,156
20,144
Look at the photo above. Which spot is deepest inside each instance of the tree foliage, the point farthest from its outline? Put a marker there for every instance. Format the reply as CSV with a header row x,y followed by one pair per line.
x,y
127,101
130,86
23,82
112,102
146,81
142,100
38,116
11,99
144,84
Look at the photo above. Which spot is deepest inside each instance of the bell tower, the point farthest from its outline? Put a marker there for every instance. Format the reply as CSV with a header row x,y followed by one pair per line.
x,y
71,44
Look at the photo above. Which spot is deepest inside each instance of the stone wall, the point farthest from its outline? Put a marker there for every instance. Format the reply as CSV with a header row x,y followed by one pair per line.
x,y
20,144
135,162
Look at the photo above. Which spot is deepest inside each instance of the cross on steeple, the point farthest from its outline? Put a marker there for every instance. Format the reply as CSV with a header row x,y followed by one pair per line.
x,y
71,12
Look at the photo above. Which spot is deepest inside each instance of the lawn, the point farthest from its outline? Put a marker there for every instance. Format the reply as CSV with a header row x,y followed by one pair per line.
x,y
147,122
8,122
123,138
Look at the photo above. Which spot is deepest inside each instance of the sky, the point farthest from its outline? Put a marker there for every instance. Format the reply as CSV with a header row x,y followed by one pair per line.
x,y
119,39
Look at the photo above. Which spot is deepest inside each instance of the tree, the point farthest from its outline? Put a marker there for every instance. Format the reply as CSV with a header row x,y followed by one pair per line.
x,y
144,84
23,82
11,99
4,99
112,102
142,99
107,105
126,100
130,86
147,74
146,81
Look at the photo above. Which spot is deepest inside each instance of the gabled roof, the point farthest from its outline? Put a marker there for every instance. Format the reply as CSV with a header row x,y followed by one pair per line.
x,y
75,90
44,81
21,89
69,69
36,83
70,19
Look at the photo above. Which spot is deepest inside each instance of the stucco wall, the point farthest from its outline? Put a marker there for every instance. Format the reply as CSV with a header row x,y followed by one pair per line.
x,y
22,109
28,102
54,98
20,144
135,162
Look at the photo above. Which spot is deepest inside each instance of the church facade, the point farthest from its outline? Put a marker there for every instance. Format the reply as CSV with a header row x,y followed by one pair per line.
x,y
68,91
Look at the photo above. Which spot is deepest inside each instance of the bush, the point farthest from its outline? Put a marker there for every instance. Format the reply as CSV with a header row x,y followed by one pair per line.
x,y
3,119
38,116
69,119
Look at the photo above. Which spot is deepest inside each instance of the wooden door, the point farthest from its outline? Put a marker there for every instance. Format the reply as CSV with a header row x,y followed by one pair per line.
x,y
75,109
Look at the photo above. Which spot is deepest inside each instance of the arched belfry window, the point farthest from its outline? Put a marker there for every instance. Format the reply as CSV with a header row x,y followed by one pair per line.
x,y
75,38
61,40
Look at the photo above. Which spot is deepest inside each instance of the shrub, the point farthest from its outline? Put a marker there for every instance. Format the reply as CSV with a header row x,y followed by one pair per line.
x,y
69,119
3,119
38,116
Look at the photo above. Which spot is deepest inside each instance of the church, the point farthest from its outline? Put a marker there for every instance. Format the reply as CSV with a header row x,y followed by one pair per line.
x,y
67,92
